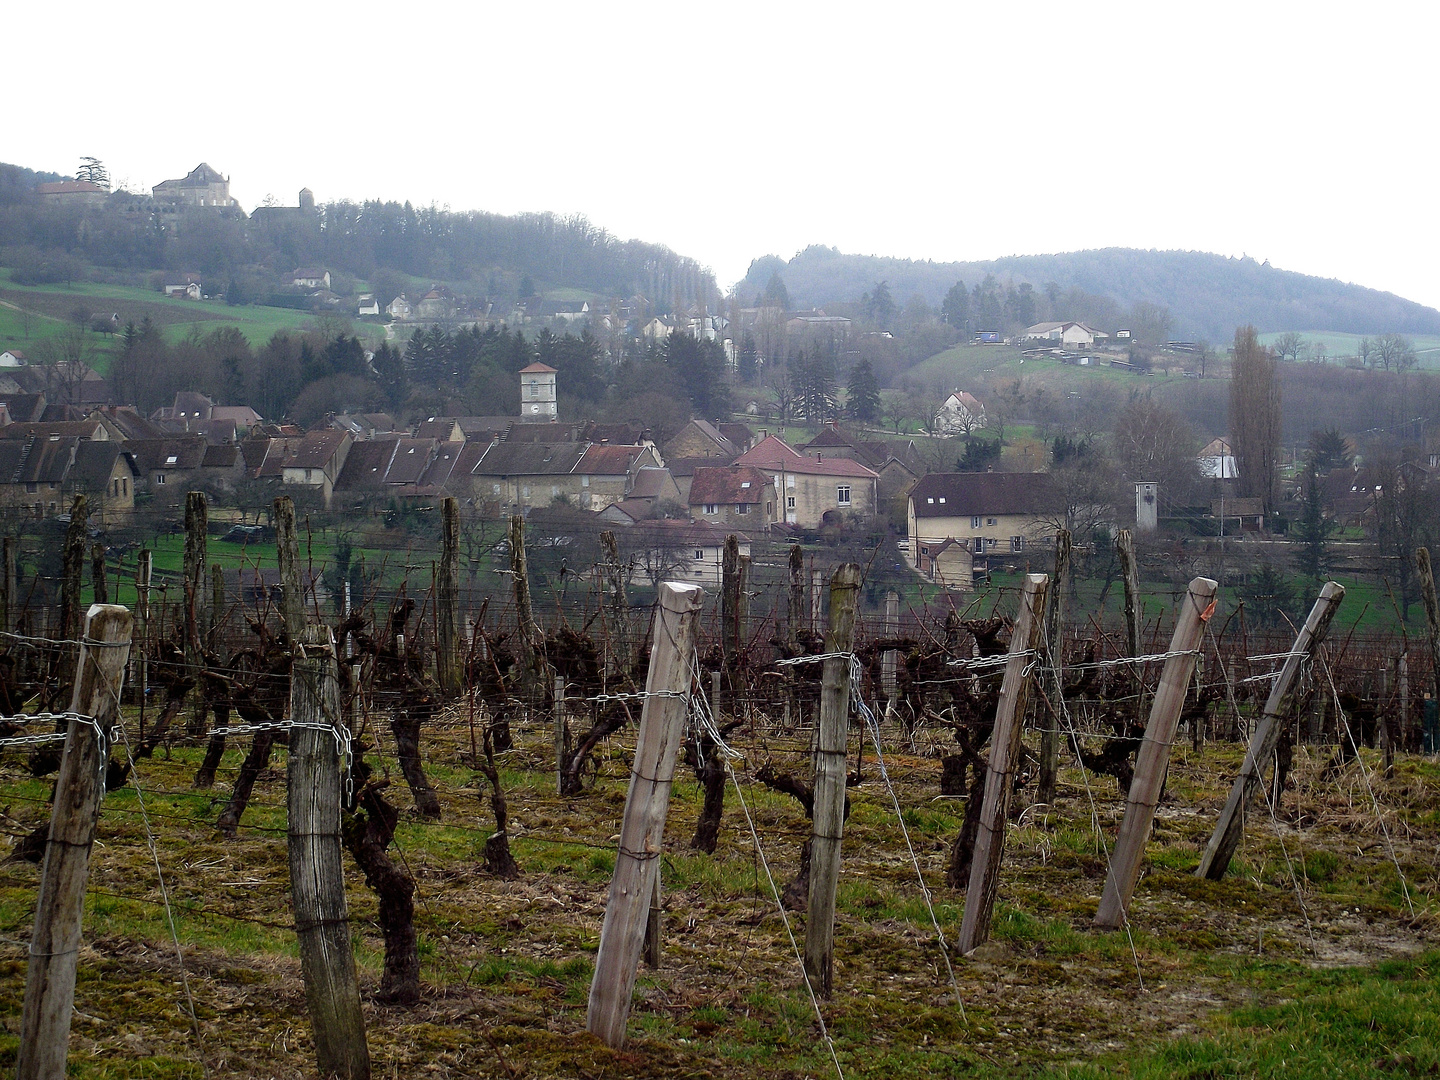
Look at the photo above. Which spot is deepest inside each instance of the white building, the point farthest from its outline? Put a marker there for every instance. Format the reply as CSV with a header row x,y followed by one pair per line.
x,y
961,414
399,308
1076,335
537,392
1217,461
367,305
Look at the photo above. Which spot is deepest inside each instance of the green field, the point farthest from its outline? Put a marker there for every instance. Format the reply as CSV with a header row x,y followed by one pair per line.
x,y
966,366
1337,345
51,308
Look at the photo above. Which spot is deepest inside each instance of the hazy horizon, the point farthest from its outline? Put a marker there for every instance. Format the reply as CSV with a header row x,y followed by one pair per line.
x,y
728,133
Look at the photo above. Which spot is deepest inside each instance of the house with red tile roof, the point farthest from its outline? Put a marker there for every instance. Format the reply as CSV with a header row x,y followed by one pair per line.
x,y
738,496
813,491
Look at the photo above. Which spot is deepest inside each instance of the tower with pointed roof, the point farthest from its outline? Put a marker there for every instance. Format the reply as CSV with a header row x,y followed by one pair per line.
x,y
537,392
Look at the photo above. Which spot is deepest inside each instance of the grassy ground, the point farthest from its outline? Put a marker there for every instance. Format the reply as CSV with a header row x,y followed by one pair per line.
x,y
51,307
1427,348
967,365
1321,973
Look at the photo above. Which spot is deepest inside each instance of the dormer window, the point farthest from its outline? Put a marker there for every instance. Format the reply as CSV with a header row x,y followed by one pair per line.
x,y
172,459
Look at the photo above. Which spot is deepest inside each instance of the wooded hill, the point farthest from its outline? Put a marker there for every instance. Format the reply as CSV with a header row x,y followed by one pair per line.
x,y
478,253
1208,295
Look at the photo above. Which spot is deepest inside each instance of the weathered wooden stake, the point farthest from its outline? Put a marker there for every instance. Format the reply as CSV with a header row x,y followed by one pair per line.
x,y
317,876
651,955
817,584
287,546
7,581
1402,679
999,776
795,620
1055,635
1230,827
197,515
730,589
144,569
533,668
60,906
831,739
449,663
618,652
72,569
99,585
642,832
891,658
1154,754
561,735
1432,615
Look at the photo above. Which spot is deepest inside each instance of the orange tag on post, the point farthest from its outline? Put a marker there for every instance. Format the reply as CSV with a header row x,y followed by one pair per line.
x,y
1205,615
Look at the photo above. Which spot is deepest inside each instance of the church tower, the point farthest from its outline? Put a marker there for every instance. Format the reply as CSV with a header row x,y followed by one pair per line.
x,y
537,392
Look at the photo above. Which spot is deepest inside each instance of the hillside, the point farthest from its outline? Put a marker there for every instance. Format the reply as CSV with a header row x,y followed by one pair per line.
x,y
388,246
1208,295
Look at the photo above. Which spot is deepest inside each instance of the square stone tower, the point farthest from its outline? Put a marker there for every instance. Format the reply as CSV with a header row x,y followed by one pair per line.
x,y
537,392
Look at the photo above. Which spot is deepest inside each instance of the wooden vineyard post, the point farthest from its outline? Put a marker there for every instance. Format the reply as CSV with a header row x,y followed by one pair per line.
x,y
1055,637
7,582
1432,615
1130,576
817,582
1231,825
99,582
889,661
831,737
448,661
642,832
533,666
60,905
1402,681
317,876
560,735
1154,756
292,592
72,569
730,589
144,569
999,776
795,617
615,575
197,517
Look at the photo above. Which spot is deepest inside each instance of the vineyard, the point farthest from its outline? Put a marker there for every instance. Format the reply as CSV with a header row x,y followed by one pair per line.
x,y
746,831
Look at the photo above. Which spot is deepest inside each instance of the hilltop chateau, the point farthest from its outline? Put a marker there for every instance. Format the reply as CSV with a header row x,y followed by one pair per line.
x,y
201,186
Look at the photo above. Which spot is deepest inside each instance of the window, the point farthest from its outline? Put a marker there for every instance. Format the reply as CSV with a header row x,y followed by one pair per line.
x,y
709,508
789,502
769,508
699,553
989,521
1017,543
495,489
53,485
975,522
159,478
789,481
742,508
32,488
942,498
842,494
308,476
584,481
979,545
931,500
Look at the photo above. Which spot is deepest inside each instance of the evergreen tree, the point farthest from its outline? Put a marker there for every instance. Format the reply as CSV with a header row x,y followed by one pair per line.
x,y
863,393
1312,531
390,374
956,307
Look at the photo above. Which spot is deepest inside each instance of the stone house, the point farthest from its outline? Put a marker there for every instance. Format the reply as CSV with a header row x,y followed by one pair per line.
x,y
813,491
737,496
987,513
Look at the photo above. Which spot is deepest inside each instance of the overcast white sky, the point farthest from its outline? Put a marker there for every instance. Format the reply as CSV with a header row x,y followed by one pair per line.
x,y
1300,133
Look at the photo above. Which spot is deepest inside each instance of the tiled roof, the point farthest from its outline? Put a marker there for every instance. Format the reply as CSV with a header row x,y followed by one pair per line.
x,y
732,485
609,460
538,368
530,459
186,452
772,453
651,483
974,494
317,450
